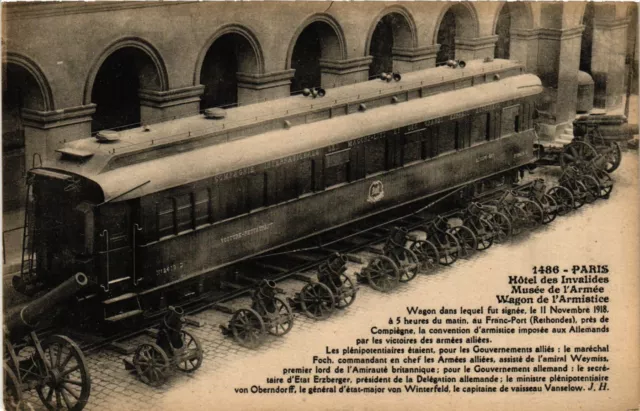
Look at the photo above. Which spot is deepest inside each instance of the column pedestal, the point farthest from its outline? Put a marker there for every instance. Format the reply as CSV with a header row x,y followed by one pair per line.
x,y
337,73
406,59
159,106
478,48
607,62
524,47
254,88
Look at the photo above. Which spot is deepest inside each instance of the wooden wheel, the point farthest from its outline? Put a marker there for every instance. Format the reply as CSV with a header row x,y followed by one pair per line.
x,y
427,254
579,192
613,154
317,301
549,207
190,358
501,226
12,392
519,220
151,363
279,321
344,291
448,248
382,274
563,198
406,261
593,188
534,213
247,328
484,233
67,384
577,153
606,184
466,239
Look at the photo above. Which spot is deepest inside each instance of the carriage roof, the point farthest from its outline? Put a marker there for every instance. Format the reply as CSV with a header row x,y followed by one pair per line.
x,y
184,168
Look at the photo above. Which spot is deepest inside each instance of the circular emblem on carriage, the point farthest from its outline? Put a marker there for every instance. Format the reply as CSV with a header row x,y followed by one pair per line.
x,y
376,192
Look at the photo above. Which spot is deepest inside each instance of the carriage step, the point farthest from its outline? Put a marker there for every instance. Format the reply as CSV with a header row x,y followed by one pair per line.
x,y
119,280
119,298
123,316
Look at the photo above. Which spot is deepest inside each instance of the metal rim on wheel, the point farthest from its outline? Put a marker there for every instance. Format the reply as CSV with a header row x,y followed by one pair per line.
x,y
549,207
577,153
563,198
614,157
280,321
606,184
68,384
593,188
427,254
191,356
519,220
151,363
382,273
467,240
535,214
448,250
247,328
317,301
501,226
407,263
345,292
579,194
484,234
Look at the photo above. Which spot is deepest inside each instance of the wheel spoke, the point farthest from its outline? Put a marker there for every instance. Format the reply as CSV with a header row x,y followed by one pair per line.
x,y
65,399
70,370
73,394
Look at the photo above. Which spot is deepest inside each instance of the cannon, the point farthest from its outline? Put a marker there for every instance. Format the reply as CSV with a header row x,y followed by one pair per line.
x,y
55,367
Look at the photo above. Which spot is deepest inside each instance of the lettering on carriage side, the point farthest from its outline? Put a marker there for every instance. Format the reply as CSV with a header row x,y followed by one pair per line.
x,y
485,157
376,192
170,268
237,236
366,139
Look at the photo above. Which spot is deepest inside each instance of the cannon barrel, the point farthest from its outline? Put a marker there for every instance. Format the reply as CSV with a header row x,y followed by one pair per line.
x,y
22,319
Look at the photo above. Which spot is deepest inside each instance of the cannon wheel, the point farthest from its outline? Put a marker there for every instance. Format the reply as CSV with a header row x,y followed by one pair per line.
x,y
151,363
317,301
427,254
69,385
12,393
466,239
501,227
448,251
191,358
280,321
577,153
549,207
613,155
382,273
247,328
534,213
345,292
484,232
606,184
407,262
563,198
593,188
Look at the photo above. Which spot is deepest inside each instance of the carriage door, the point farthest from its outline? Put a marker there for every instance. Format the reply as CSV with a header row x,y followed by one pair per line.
x,y
114,240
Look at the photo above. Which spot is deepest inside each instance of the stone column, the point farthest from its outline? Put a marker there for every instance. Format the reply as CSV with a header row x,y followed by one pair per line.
x,y
46,131
524,47
254,88
412,59
557,66
478,48
607,62
158,106
336,73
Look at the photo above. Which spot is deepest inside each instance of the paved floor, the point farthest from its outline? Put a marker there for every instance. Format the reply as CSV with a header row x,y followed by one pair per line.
x,y
582,235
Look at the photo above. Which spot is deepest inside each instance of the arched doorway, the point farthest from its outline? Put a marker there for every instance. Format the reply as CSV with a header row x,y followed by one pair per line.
x,y
503,28
512,16
587,38
115,88
20,90
228,55
457,22
317,41
392,30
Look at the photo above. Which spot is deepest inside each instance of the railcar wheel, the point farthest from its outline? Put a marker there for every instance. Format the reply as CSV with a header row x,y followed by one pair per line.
x,y
613,155
563,198
12,394
407,262
247,328
467,241
577,153
534,213
501,227
191,356
593,188
549,207
427,254
151,363
448,250
280,320
382,274
317,301
345,291
68,385
485,234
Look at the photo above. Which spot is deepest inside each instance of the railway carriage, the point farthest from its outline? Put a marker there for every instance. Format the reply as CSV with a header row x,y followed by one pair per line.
x,y
145,219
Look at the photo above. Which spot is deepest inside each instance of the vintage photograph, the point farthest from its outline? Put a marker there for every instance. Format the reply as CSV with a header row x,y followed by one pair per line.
x,y
320,205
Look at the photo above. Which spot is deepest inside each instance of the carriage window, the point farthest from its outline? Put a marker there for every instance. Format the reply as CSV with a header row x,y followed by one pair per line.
x,y
231,198
166,217
336,168
413,144
202,206
510,120
480,128
375,156
447,137
184,212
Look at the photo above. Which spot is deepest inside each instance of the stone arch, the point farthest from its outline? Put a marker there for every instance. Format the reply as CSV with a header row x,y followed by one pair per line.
x,y
43,98
510,16
337,47
586,44
393,27
231,50
153,70
456,21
